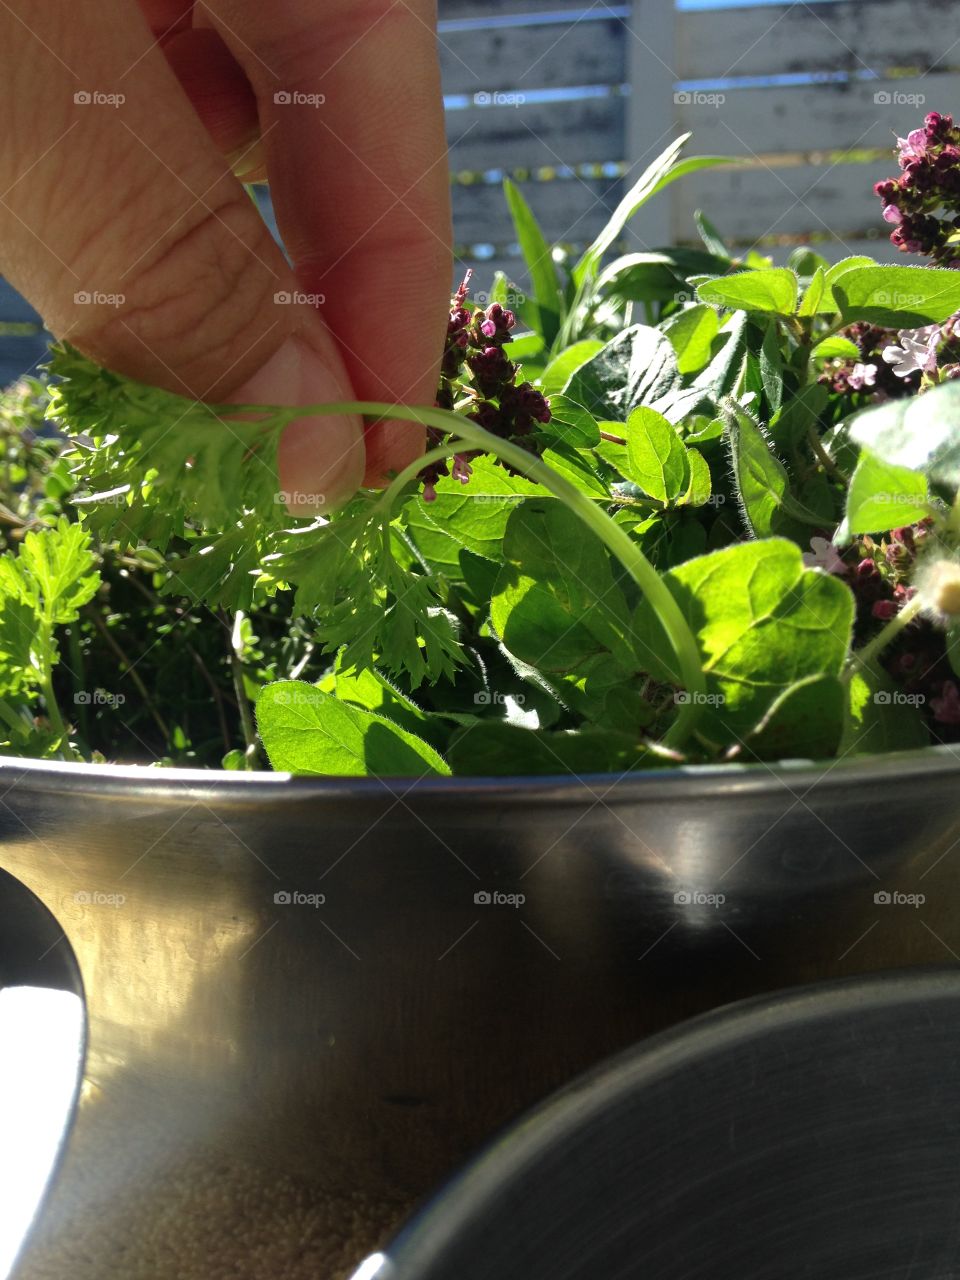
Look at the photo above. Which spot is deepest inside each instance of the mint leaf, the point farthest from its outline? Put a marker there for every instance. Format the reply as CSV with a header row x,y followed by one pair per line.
x,y
309,732
883,497
637,367
656,458
773,289
562,368
580,430
763,622
921,434
692,332
897,297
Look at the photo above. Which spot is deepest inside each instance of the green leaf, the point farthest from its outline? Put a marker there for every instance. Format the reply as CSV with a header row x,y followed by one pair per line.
x,y
539,259
880,717
700,488
761,480
771,367
805,721
656,277
556,602
763,622
500,750
921,433
883,497
656,457
828,303
580,427
636,367
898,297
60,568
665,169
692,332
309,732
562,368
837,348
813,295
708,233
774,289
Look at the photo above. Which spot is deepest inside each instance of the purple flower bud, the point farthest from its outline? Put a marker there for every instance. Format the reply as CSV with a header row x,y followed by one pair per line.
x,y
488,329
884,610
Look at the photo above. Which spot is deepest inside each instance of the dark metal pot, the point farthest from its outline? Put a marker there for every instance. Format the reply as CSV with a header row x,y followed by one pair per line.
x,y
812,1134
359,1048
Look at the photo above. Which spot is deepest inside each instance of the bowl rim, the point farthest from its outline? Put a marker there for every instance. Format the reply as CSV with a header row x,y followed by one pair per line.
x,y
573,1106
657,786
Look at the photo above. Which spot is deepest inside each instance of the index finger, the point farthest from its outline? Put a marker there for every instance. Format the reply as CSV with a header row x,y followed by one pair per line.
x,y
351,115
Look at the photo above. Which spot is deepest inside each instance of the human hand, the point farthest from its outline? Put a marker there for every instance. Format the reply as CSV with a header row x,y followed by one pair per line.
x,y
122,223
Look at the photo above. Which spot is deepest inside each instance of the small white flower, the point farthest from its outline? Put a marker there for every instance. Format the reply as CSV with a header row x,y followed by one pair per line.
x,y
862,375
823,555
917,352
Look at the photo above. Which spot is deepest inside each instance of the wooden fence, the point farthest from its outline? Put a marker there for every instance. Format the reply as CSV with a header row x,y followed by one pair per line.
x,y
572,98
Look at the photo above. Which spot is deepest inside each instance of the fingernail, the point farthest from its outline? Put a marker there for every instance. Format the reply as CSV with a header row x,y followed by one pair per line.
x,y
321,458
248,159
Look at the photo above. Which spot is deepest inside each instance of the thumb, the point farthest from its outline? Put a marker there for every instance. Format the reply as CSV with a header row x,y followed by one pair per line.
x,y
121,223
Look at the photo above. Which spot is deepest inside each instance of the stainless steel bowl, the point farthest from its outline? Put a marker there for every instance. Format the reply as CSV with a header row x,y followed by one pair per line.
x,y
334,983
815,1133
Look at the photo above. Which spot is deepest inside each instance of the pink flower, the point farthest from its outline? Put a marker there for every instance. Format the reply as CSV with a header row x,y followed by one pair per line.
x,y
823,555
862,375
912,147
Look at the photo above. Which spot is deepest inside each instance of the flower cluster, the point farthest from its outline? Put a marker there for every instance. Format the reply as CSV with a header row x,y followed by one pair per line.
x,y
896,363
475,349
923,203
917,661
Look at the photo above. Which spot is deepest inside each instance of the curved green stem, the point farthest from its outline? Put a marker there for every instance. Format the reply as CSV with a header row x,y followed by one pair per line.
x,y
865,657
618,542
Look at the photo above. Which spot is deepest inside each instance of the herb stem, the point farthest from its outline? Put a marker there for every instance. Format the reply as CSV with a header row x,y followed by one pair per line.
x,y
616,540
828,464
865,657
252,752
